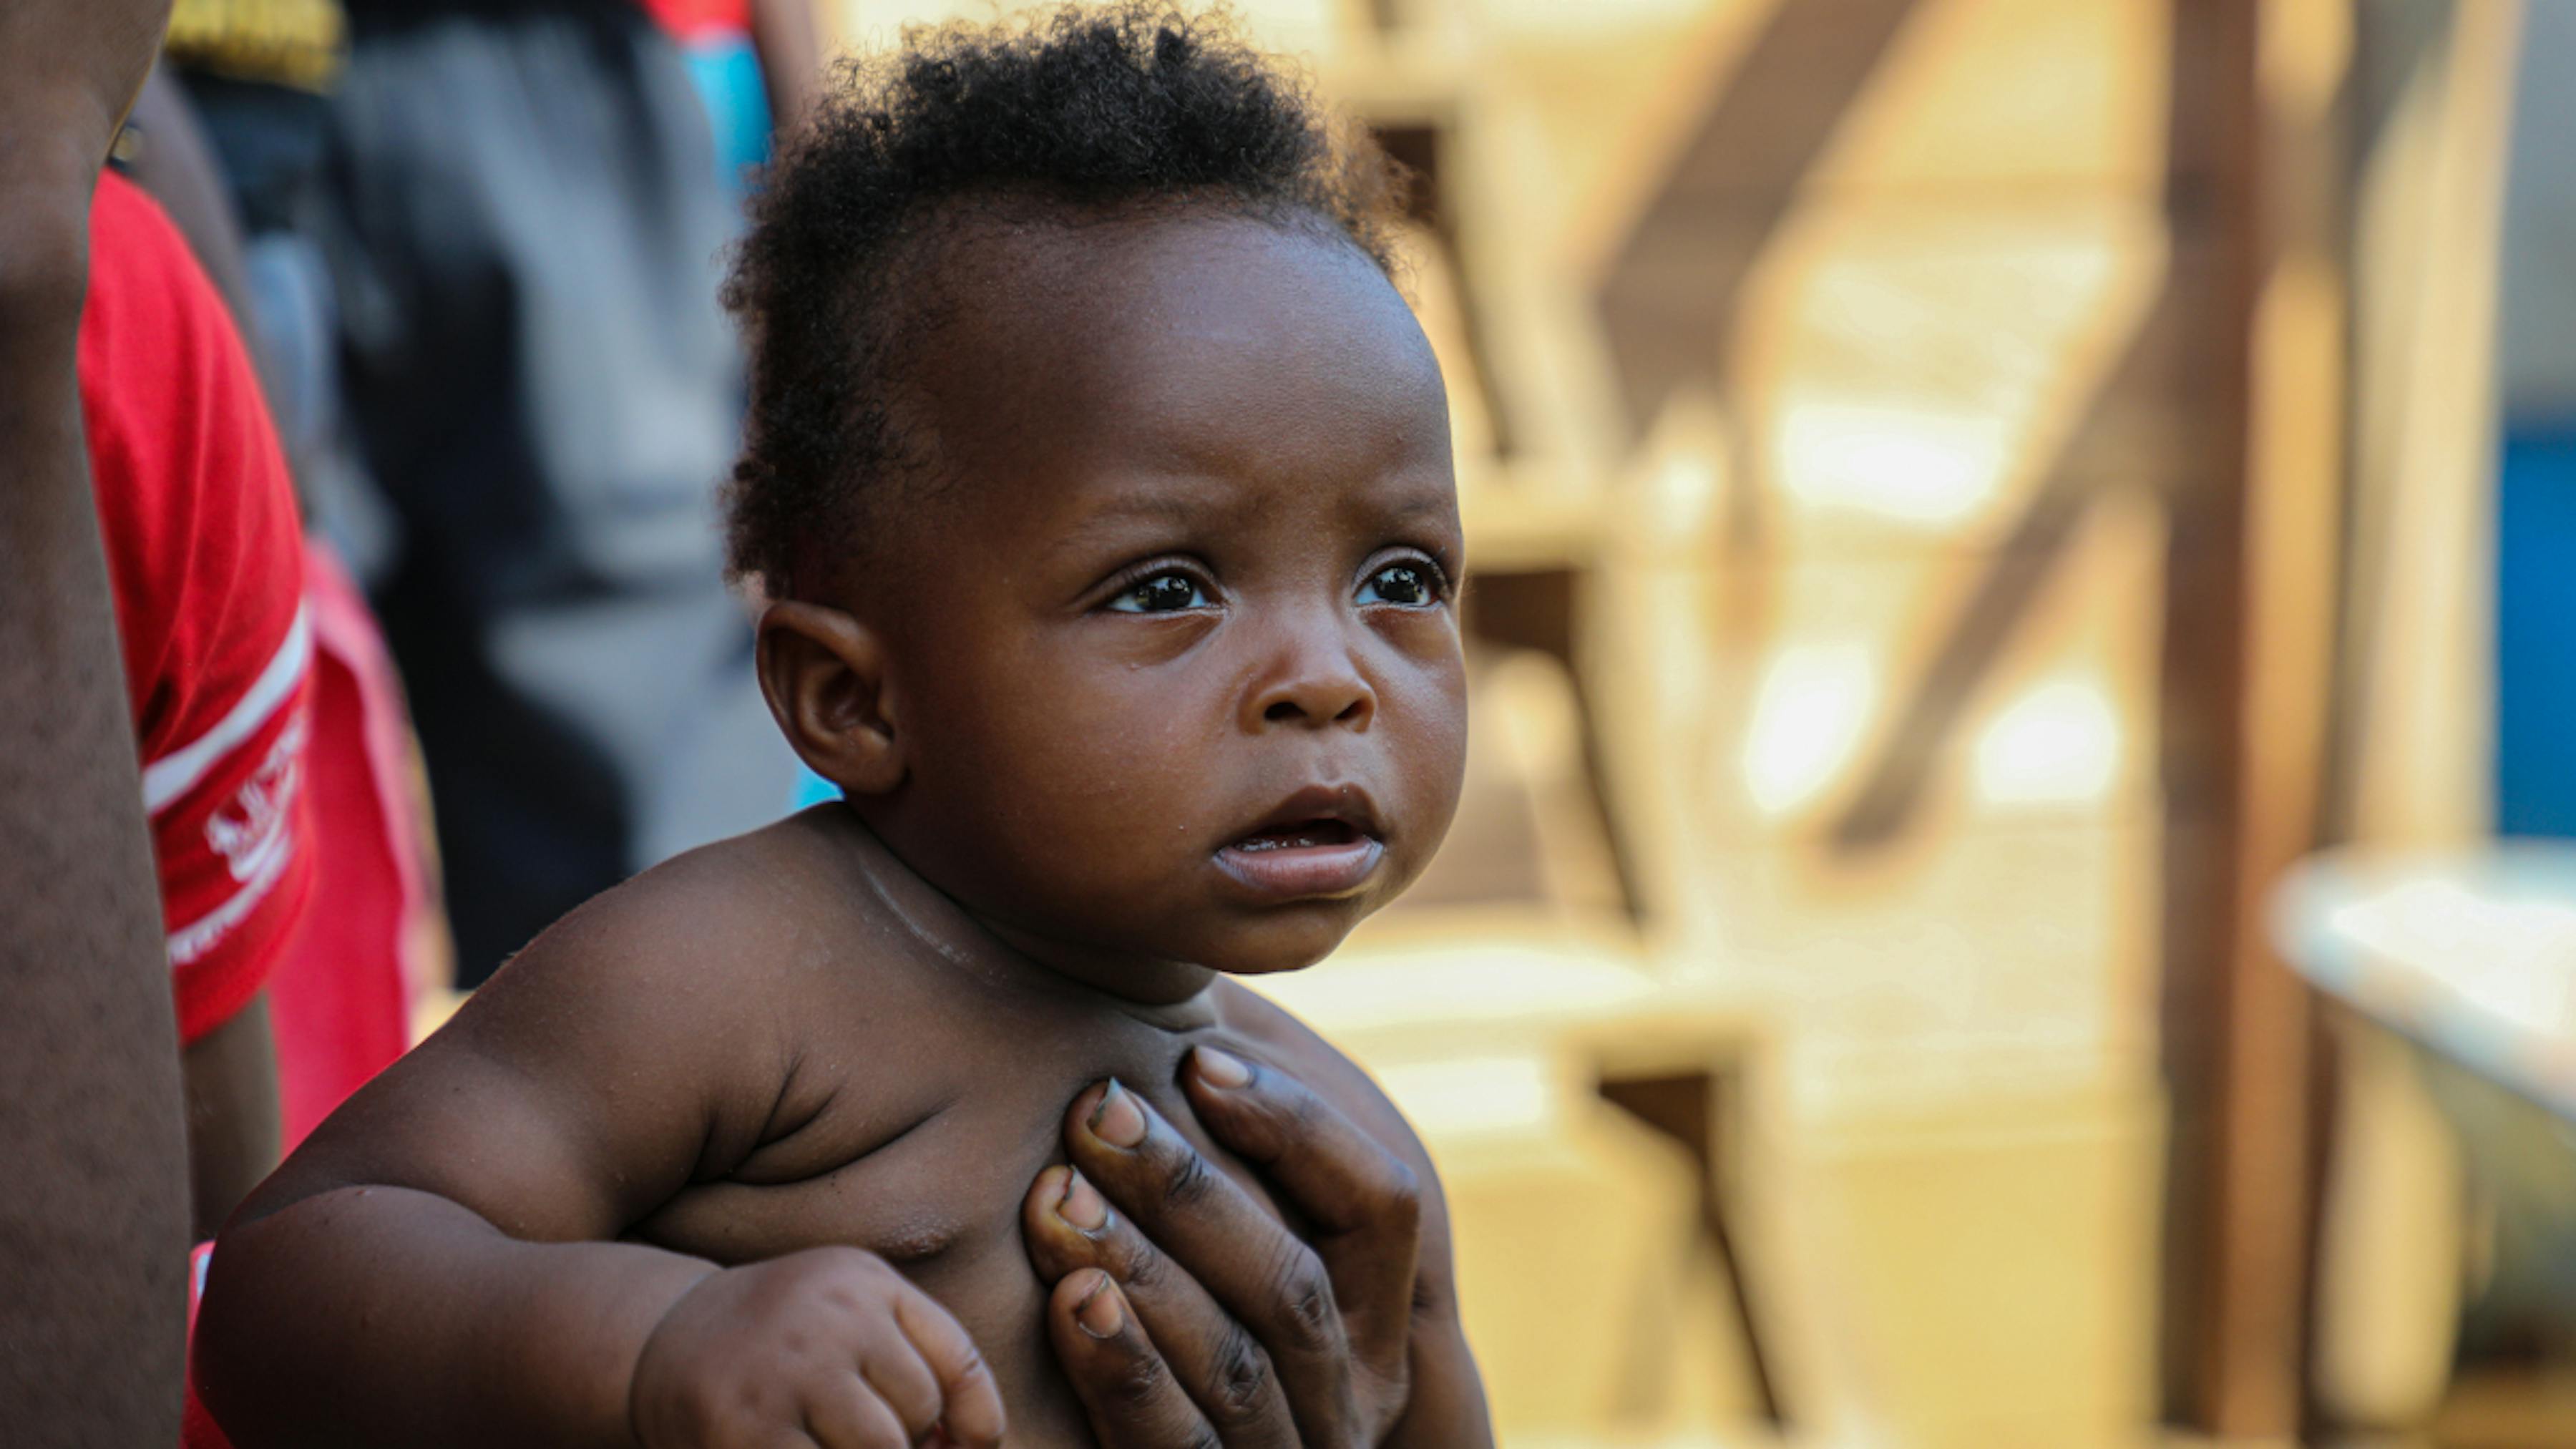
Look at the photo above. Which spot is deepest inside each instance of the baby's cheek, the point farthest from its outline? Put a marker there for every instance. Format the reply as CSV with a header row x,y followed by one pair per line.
x,y
1430,721
1437,780
1119,801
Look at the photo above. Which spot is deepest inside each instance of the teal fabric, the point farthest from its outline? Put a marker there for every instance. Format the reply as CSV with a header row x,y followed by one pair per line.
x,y
812,789
727,72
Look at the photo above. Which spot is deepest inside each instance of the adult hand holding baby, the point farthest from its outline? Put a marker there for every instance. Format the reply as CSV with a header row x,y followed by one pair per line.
x,y
1185,1313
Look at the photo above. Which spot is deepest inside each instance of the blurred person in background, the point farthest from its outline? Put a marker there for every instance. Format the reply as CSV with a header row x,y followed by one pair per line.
x,y
523,216
757,64
237,174
234,129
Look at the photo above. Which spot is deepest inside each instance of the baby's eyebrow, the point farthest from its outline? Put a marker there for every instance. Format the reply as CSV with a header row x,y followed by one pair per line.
x,y
1185,503
1136,509
1438,507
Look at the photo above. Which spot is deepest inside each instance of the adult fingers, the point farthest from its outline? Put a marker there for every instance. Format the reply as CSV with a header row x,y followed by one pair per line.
x,y
1125,1386
1362,1204
969,1403
1262,1274
1069,1227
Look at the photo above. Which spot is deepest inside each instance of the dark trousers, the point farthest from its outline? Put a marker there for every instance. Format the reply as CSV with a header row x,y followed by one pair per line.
x,y
524,234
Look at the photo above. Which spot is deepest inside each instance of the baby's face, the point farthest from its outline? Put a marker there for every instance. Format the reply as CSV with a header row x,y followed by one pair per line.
x,y
1174,648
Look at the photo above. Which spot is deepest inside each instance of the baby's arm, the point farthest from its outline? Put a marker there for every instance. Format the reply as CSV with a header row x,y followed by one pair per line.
x,y
437,1265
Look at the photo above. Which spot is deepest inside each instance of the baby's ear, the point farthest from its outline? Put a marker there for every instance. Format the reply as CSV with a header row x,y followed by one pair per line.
x,y
824,674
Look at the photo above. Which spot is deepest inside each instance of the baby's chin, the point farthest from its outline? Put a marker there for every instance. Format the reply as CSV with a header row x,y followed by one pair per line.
x,y
1292,938
1223,936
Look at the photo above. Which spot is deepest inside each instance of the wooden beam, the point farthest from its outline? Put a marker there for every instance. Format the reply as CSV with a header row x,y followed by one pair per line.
x,y
2234,1033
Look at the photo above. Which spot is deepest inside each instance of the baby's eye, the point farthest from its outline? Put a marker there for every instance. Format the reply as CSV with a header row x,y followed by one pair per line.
x,y
1161,594
1402,583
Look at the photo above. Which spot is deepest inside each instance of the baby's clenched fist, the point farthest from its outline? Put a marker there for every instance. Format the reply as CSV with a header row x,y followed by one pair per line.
x,y
829,1346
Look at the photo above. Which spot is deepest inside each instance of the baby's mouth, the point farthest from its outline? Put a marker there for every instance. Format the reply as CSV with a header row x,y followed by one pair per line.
x,y
1300,835
1326,855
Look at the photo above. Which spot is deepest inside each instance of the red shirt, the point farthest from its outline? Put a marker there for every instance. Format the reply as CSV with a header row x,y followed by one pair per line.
x,y
340,1004
688,20
206,555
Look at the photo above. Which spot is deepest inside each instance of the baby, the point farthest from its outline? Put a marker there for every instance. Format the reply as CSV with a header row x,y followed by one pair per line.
x,y
1099,484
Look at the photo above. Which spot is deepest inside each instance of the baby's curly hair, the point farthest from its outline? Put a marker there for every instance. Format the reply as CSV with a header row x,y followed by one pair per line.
x,y
1087,110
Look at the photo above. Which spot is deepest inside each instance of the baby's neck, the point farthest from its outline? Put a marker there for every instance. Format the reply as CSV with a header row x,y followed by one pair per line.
x,y
1165,993
1147,990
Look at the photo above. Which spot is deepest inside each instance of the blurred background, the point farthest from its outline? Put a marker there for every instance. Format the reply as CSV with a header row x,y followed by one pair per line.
x,y
2024,551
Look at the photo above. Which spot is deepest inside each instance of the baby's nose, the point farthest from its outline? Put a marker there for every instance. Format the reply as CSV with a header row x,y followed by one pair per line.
x,y
1317,683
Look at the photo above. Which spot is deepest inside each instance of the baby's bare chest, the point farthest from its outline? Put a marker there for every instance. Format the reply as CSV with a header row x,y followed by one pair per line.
x,y
936,1186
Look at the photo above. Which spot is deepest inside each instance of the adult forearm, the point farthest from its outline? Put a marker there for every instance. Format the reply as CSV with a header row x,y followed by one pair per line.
x,y
234,1132
93,1222
387,1316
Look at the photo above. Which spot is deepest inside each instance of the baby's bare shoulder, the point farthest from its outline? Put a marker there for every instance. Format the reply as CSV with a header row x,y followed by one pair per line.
x,y
654,1038
722,966
726,922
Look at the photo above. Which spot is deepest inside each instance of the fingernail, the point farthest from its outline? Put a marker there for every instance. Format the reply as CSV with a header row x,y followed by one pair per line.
x,y
1221,1069
1082,1205
1118,1121
1099,1314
